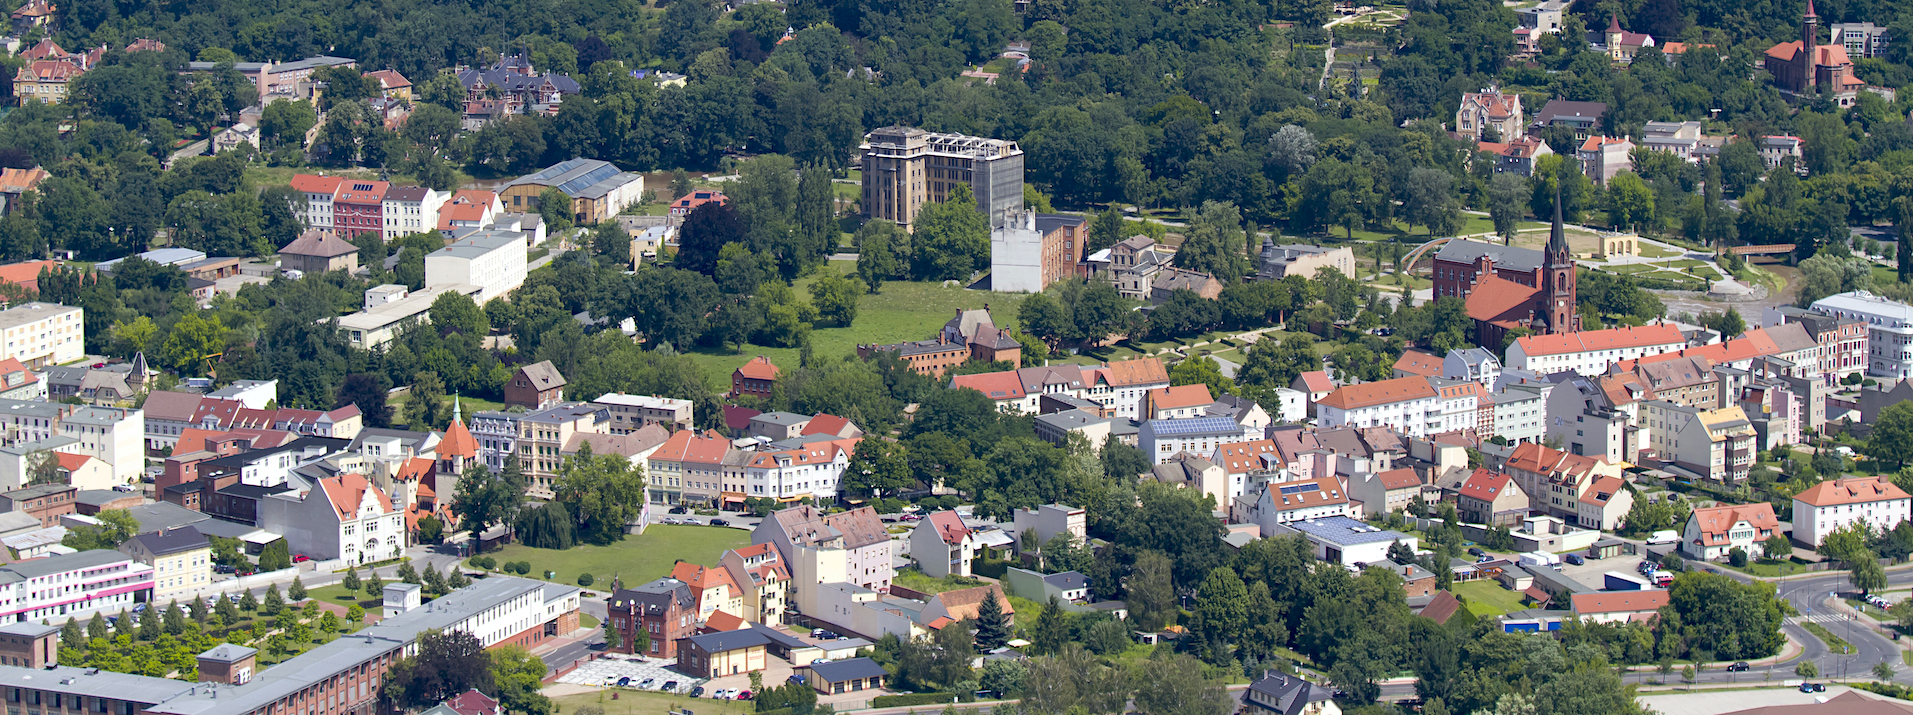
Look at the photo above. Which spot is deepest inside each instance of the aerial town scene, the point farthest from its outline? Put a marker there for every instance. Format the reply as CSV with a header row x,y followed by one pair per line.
x,y
956,357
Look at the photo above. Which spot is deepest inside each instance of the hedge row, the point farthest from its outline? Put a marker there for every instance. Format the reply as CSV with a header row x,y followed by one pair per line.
x,y
898,701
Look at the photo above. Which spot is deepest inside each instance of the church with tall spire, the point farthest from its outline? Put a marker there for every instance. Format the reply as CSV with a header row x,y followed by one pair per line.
x,y
1804,67
1517,290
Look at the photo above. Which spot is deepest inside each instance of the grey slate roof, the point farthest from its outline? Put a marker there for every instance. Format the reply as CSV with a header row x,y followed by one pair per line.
x,y
1461,251
850,669
171,541
1290,694
543,375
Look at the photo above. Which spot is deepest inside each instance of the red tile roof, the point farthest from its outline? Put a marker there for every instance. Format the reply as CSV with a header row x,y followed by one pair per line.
x,y
1441,608
1858,490
825,423
1399,479
1140,371
759,368
1499,299
1180,396
1486,485
1317,381
1003,385
310,184
1715,522
346,491
1349,397
1602,491
949,526
1611,339
1418,362
25,273
458,441
1242,457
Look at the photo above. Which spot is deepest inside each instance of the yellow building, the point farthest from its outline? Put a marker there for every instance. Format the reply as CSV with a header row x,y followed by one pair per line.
x,y
181,557
44,81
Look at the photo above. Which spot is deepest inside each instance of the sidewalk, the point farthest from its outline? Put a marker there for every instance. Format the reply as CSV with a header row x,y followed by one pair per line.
x,y
1789,651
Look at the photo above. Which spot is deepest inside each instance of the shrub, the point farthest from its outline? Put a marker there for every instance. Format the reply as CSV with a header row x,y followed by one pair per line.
x,y
482,562
585,579
898,701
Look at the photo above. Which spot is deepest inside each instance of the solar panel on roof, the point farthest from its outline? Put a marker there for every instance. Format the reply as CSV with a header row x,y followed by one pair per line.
x,y
1301,488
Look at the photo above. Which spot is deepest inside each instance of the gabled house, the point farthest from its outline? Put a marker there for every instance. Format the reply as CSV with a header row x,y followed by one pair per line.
x,y
535,386
942,545
340,517
762,578
1492,498
664,610
713,588
1713,532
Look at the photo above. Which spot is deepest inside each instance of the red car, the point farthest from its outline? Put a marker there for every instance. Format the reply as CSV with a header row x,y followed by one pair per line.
x,y
301,558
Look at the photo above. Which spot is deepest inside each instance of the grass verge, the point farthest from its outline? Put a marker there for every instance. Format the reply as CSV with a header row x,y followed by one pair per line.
x,y
1834,643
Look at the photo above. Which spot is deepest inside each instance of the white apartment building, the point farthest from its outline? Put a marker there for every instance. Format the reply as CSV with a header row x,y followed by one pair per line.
x,y
411,209
811,471
1119,387
319,192
1714,444
73,585
1290,502
1460,403
1409,405
1162,439
1590,352
1521,411
1833,505
1889,330
41,334
495,261
116,436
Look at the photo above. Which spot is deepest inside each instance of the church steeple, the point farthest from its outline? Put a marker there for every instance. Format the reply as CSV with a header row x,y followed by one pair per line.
x,y
1557,274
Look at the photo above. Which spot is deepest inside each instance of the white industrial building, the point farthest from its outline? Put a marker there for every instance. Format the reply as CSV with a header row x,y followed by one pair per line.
x,y
492,259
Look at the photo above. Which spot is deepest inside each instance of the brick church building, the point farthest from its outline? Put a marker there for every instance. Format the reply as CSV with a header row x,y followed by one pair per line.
x,y
1805,66
1509,288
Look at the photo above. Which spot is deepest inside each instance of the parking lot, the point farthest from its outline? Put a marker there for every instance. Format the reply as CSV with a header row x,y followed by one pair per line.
x,y
605,672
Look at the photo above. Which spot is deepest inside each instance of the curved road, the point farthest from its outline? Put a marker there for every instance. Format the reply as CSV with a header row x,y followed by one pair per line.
x,y
1813,597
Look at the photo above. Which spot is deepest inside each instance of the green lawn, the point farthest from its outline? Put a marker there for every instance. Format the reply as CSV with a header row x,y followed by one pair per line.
x,y
466,402
637,559
337,594
639,702
919,581
1470,224
1651,250
905,310
1487,598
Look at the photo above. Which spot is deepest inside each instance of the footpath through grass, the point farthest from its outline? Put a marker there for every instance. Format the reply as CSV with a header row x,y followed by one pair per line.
x,y
637,559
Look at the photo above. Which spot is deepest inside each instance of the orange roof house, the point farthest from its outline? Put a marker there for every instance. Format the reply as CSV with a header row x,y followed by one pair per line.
x,y
26,274
1369,394
755,377
1418,363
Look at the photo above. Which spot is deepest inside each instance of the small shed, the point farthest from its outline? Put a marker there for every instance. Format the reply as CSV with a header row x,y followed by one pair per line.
x,y
846,676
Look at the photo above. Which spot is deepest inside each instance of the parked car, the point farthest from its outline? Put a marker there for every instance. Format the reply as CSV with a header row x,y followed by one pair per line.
x,y
910,517
626,680
222,568
1740,667
1813,687
646,683
1477,552
745,695
1576,559
300,558
669,685
719,522
680,510
697,691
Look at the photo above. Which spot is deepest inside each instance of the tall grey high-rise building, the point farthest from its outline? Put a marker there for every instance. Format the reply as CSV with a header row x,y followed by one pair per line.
x,y
906,167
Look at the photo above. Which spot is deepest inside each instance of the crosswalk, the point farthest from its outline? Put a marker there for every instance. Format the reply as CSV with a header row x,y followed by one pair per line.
x,y
1820,618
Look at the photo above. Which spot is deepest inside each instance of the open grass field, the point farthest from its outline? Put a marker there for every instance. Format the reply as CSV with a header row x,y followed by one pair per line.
x,y
1470,224
903,311
638,702
637,559
466,402
1488,598
336,593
